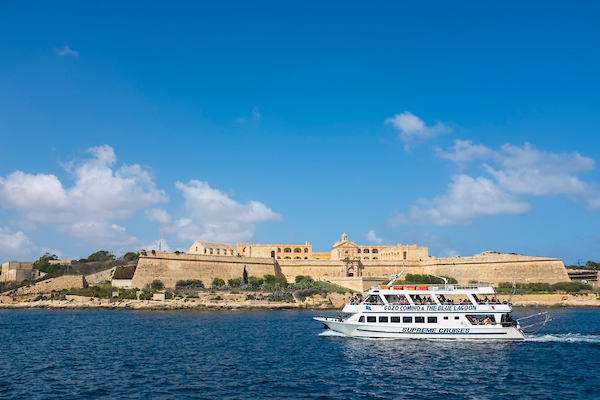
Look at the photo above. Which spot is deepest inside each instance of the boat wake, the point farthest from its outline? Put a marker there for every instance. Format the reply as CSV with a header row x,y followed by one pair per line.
x,y
329,332
564,338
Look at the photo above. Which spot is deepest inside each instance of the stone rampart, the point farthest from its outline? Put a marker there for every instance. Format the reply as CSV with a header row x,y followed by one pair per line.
x,y
170,268
57,284
486,267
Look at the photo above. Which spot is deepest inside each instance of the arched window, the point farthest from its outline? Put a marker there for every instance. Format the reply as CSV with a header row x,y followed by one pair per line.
x,y
297,250
196,248
287,258
287,250
244,250
374,258
306,258
204,251
405,255
375,251
366,258
211,251
218,251
278,250
273,254
306,250
358,251
297,258
366,251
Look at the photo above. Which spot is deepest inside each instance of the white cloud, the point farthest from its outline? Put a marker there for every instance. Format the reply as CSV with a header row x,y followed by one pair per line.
x,y
465,151
100,193
526,170
255,114
66,51
468,199
373,239
15,246
213,215
159,215
412,128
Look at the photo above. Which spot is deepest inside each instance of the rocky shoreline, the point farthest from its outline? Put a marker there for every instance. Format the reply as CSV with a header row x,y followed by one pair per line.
x,y
331,302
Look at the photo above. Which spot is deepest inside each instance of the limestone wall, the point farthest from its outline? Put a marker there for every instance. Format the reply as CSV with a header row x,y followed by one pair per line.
x,y
485,267
170,268
60,283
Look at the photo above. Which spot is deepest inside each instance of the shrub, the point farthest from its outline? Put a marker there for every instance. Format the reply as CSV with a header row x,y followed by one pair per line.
x,y
505,285
235,282
254,281
218,282
157,285
276,280
217,298
189,284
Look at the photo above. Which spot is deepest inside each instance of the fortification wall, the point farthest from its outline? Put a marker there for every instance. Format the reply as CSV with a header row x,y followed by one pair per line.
x,y
170,268
58,284
486,267
496,268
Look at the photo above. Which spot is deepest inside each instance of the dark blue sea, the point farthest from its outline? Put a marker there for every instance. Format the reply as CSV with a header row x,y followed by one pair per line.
x,y
48,354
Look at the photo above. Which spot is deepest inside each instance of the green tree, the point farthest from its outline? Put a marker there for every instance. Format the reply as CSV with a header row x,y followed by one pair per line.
x,y
157,285
130,256
245,276
101,255
43,263
218,282
593,265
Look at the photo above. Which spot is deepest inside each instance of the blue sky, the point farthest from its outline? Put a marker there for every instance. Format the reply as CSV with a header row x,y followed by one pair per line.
x,y
462,126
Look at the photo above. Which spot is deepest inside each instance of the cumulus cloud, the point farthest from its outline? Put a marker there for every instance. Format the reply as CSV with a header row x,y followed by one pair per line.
x,y
213,215
412,128
373,239
16,245
159,215
66,51
467,200
464,151
100,193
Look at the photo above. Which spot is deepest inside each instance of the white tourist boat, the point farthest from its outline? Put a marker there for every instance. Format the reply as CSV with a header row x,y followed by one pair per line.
x,y
439,311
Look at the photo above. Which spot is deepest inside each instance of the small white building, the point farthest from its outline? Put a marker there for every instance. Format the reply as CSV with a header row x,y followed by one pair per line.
x,y
213,249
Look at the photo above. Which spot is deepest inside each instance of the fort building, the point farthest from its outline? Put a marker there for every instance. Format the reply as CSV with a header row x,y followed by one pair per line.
x,y
347,264
212,248
18,271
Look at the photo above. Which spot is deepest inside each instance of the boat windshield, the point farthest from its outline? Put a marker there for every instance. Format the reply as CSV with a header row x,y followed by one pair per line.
x,y
422,299
373,299
396,299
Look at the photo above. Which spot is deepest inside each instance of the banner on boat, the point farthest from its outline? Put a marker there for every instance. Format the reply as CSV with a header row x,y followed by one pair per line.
x,y
433,307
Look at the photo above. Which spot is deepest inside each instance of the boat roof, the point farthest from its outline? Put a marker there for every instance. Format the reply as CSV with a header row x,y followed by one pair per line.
x,y
415,289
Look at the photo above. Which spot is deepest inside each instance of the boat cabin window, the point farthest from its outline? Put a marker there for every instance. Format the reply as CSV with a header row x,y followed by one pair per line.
x,y
373,299
371,319
481,319
445,317
432,320
383,319
420,320
456,317
422,300
396,299
361,319
395,319
407,320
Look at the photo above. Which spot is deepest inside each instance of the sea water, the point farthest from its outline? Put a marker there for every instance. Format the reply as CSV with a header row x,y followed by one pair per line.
x,y
52,354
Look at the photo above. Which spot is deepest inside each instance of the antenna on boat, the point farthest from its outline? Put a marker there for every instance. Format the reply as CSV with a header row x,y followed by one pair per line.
x,y
395,276
444,278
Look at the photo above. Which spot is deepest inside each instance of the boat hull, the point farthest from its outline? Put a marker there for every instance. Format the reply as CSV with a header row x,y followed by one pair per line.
x,y
486,332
